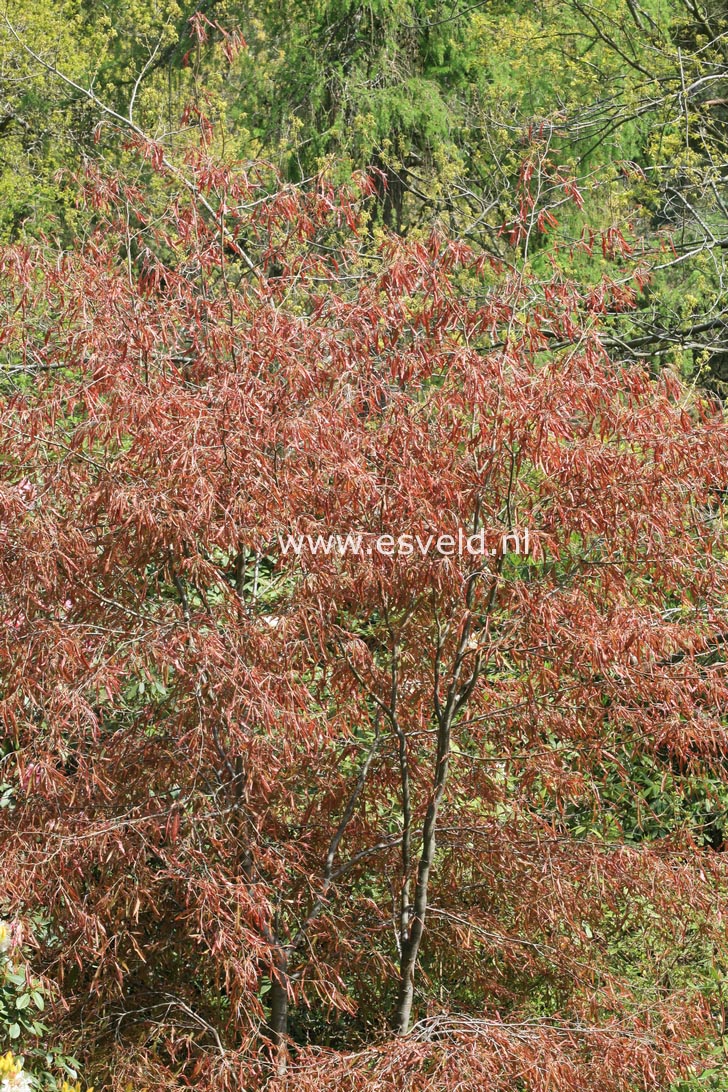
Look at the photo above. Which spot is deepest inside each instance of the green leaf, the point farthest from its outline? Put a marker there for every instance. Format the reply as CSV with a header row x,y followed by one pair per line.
x,y
14,1031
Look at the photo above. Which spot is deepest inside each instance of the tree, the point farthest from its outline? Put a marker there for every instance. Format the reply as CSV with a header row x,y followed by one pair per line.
x,y
271,791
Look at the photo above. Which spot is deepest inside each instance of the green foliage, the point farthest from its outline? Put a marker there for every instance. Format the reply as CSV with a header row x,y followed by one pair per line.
x,y
24,1033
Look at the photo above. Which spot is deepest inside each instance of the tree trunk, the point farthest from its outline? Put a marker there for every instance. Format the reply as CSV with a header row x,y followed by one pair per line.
x,y
278,1025
406,993
456,698
411,950
278,1022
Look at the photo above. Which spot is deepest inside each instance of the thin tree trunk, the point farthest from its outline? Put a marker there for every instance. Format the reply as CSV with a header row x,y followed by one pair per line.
x,y
278,1012
411,949
278,1022
457,696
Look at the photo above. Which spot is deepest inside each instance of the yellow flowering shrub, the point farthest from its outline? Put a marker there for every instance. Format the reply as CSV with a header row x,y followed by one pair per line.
x,y
22,1000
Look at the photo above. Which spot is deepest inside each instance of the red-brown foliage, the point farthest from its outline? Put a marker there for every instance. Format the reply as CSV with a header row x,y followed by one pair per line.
x,y
372,781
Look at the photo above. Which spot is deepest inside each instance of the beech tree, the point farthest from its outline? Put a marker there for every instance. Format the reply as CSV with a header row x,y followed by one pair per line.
x,y
314,816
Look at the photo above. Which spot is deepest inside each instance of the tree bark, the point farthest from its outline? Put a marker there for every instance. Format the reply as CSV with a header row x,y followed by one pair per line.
x,y
457,696
278,1025
278,1022
411,950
